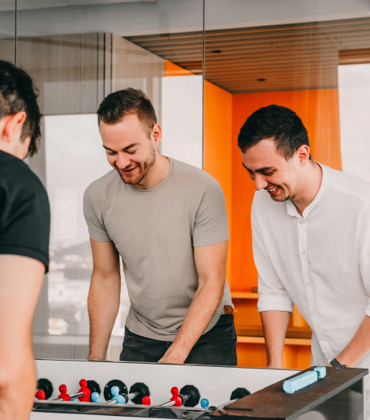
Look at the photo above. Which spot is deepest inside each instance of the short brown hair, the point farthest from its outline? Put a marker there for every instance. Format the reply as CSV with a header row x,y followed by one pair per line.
x,y
17,94
125,102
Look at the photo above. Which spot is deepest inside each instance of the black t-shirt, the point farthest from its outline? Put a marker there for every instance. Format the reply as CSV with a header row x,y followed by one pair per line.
x,y
24,211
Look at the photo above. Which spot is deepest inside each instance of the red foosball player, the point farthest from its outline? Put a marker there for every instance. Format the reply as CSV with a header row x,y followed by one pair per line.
x,y
146,400
40,394
63,393
176,397
85,391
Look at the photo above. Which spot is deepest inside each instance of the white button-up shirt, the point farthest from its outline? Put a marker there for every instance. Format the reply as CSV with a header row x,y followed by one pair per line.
x,y
320,260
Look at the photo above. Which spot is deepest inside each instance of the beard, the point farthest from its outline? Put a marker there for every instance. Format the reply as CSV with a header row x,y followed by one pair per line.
x,y
144,168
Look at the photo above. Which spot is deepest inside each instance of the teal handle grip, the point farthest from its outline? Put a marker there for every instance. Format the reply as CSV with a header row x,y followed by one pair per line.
x,y
301,381
321,371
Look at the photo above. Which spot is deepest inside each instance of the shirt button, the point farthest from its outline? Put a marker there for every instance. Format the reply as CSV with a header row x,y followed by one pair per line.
x,y
303,253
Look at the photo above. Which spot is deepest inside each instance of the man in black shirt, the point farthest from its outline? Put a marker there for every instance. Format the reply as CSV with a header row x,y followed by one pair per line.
x,y
24,240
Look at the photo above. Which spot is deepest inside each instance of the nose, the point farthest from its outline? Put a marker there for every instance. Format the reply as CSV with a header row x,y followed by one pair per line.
x,y
259,182
122,160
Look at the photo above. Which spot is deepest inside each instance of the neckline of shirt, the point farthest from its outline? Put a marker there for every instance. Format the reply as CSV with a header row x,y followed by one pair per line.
x,y
168,176
292,209
10,156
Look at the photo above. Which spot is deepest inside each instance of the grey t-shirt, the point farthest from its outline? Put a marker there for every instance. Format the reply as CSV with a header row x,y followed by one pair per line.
x,y
155,231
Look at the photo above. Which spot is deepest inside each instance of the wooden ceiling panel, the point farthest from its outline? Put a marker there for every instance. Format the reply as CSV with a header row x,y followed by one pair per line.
x,y
287,57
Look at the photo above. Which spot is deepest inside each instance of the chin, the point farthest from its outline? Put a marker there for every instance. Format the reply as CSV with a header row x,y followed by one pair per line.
x,y
131,180
280,199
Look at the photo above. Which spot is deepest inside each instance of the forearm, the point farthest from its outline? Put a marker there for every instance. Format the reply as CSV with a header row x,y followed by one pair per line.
x,y
17,384
274,325
20,283
201,311
358,346
103,306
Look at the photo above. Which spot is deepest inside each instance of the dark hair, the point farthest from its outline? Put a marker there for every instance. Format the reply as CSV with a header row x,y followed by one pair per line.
x,y
274,122
17,94
125,102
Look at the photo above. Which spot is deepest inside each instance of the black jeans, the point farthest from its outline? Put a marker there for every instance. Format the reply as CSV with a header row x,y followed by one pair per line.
x,y
216,347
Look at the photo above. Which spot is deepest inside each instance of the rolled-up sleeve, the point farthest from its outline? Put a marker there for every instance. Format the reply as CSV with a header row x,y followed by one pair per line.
x,y
272,294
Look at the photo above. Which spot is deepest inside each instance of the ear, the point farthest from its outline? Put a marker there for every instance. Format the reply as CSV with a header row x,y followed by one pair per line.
x,y
156,134
11,127
303,154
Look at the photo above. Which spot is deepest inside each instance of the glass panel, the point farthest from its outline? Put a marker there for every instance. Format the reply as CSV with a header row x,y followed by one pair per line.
x,y
78,54
7,31
285,53
354,101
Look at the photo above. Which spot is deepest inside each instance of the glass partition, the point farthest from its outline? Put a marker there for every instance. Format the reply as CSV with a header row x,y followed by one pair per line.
x,y
206,65
8,31
284,53
77,55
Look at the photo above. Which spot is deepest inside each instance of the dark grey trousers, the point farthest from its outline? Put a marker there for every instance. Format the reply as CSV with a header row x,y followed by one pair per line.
x,y
216,347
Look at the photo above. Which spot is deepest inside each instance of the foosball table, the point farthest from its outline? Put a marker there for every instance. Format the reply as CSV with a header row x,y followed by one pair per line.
x,y
71,390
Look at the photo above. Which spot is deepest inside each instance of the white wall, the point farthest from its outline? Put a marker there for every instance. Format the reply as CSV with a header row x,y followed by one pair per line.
x,y
182,119
354,108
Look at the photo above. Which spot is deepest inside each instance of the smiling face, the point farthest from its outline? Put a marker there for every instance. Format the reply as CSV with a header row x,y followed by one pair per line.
x,y
129,149
272,172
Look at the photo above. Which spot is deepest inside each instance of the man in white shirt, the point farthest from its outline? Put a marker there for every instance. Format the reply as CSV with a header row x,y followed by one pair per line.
x,y
311,241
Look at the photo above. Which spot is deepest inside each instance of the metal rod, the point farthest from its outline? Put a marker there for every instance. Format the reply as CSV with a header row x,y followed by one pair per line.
x,y
133,395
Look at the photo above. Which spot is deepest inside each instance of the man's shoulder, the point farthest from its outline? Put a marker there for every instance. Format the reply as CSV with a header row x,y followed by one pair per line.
x,y
348,184
11,165
102,187
192,177
15,176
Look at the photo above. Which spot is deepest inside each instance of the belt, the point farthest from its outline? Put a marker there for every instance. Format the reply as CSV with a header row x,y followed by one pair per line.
x,y
227,310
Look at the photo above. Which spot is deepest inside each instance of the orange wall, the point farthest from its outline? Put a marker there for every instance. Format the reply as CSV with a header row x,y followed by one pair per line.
x,y
217,156
319,111
224,114
172,69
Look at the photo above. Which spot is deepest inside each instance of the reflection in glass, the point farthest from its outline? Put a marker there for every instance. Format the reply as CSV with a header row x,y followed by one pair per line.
x,y
354,101
78,54
7,31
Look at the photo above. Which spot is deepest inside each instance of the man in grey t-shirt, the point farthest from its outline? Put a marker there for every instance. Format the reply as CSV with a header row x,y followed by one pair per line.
x,y
168,222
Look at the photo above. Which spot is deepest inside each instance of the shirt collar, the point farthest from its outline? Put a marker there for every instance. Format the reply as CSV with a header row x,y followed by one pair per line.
x,y
292,209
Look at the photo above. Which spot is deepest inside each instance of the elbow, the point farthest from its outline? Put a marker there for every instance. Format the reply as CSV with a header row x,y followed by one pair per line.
x,y
214,290
22,377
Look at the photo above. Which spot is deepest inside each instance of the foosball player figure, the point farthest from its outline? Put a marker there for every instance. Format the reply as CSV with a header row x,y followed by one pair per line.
x,y
188,396
63,393
85,391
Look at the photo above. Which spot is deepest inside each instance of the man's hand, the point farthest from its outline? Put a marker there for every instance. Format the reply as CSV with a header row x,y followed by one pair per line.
x,y
358,346
210,262
274,325
20,284
175,359
104,297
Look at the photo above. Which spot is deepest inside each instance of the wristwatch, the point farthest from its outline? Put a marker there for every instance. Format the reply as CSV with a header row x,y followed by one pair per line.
x,y
337,365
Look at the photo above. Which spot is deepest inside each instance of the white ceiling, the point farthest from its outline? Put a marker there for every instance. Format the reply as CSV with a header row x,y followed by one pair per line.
x,y
143,17
6,5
